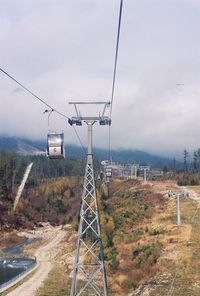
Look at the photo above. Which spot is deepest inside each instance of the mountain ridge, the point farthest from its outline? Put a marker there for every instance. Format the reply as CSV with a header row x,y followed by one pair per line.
x,y
35,147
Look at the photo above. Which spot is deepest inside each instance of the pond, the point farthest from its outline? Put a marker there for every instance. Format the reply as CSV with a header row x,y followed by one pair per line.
x,y
12,267
17,249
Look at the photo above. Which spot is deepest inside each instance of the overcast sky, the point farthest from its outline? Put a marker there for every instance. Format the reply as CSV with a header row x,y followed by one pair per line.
x,y
64,50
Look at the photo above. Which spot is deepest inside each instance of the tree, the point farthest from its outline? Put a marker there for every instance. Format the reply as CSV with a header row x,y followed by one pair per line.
x,y
165,169
195,160
174,165
198,159
185,156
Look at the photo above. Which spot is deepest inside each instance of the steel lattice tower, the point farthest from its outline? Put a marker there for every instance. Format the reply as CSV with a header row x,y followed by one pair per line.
x,y
89,277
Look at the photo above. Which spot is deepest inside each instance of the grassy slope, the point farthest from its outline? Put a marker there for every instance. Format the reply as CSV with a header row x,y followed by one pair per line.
x,y
187,281
57,284
142,242
179,260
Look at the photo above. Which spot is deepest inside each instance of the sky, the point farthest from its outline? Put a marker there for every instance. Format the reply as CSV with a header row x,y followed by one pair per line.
x,y
64,51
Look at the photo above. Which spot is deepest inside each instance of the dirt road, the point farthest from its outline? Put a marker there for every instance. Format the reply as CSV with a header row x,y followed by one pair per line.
x,y
44,255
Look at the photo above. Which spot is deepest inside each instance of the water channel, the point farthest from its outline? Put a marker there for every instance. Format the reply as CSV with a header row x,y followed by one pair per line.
x,y
12,267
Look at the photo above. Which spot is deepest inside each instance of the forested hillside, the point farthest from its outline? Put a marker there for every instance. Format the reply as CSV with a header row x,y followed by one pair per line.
x,y
48,192
123,156
137,222
138,233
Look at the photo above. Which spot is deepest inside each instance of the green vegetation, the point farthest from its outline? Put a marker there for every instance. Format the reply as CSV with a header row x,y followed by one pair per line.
x,y
52,188
132,246
190,181
127,253
148,254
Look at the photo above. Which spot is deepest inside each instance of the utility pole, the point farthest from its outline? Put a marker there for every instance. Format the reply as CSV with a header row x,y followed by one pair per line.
x,y
178,194
178,209
145,169
136,166
145,176
89,277
135,172
131,173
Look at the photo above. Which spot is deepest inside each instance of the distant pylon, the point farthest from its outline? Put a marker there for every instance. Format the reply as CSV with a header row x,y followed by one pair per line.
x,y
89,277
145,169
178,211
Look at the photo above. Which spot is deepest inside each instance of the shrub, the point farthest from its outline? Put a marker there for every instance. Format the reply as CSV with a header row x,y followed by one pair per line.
x,y
147,254
128,284
111,257
189,181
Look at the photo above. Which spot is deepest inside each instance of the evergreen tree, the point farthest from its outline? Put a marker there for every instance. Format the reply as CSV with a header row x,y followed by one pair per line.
x,y
185,156
198,159
195,160
174,165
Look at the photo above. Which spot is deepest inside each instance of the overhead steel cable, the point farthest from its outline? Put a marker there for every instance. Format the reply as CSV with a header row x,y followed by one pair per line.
x,y
34,95
116,56
114,75
44,102
84,149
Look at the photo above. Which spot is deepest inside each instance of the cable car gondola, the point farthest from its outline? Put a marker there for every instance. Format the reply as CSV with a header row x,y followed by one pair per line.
x,y
108,171
55,146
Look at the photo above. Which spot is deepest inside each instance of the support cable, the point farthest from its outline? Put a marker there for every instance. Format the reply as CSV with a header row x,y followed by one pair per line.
x,y
84,149
44,102
34,95
114,75
116,56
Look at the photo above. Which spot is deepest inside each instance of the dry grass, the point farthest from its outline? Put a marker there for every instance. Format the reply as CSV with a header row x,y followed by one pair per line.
x,y
188,283
9,239
164,186
30,249
57,284
181,253
179,256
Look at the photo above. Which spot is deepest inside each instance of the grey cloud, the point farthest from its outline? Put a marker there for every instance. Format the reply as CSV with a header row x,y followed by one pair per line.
x,y
65,49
